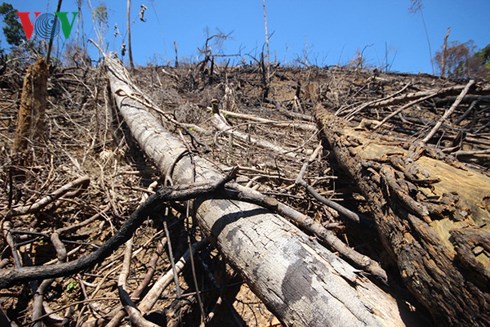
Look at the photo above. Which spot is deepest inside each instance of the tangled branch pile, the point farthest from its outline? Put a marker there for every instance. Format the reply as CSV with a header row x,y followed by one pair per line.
x,y
363,163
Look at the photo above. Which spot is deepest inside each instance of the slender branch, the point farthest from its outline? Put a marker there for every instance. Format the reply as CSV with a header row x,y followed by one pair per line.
x,y
196,285
42,203
51,38
292,124
172,261
334,205
449,111
408,105
154,293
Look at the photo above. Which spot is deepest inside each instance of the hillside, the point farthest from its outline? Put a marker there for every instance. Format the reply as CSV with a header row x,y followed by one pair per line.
x,y
291,134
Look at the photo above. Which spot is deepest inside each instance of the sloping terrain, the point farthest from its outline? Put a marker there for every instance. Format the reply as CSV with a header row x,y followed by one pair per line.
x,y
267,129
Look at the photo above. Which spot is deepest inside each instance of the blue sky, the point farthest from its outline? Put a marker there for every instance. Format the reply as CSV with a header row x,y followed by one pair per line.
x,y
329,31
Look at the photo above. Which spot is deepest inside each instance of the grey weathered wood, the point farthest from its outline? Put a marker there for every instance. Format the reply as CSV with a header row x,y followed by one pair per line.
x,y
300,281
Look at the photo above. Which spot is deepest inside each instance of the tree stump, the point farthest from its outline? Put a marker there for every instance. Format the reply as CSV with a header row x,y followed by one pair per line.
x,y
32,107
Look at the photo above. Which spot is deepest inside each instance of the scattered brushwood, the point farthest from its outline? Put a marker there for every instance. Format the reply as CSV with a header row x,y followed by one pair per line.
x,y
88,175
453,116
73,195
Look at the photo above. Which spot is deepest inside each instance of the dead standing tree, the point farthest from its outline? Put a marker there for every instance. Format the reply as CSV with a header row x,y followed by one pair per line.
x,y
207,64
128,22
265,59
444,53
300,281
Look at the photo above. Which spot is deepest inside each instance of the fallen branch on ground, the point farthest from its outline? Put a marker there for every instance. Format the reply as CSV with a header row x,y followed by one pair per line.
x,y
42,203
449,111
408,96
179,193
297,125
223,126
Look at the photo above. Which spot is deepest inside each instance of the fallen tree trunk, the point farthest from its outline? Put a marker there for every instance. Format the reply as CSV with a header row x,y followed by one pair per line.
x,y
301,282
432,216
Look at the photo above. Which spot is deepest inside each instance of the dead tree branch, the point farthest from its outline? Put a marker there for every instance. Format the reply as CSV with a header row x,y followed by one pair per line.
x,y
42,203
180,193
448,112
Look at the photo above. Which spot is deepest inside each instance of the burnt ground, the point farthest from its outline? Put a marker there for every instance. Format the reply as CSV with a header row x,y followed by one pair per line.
x,y
83,136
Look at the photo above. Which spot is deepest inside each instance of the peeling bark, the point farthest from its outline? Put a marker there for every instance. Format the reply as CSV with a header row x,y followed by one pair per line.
x,y
432,216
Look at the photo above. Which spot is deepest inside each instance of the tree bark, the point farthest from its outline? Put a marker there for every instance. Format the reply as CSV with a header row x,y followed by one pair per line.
x,y
432,216
32,107
300,281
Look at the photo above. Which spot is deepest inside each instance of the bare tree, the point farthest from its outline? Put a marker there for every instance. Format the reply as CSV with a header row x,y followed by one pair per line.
x,y
206,66
265,59
266,31
444,53
100,18
128,9
359,61
80,27
176,54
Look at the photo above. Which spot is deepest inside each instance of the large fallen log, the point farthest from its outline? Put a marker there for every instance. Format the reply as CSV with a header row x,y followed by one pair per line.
x,y
300,281
432,215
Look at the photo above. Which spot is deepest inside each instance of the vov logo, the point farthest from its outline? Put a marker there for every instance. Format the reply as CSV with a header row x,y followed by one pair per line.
x,y
47,25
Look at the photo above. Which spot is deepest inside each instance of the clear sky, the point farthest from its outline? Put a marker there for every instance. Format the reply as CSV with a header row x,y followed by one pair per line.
x,y
328,31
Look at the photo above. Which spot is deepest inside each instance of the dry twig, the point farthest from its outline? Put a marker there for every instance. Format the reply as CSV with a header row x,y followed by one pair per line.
x,y
448,112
